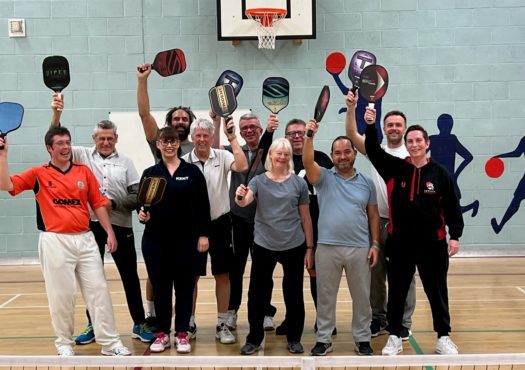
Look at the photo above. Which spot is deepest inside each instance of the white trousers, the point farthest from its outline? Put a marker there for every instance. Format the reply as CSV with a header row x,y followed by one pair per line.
x,y
66,259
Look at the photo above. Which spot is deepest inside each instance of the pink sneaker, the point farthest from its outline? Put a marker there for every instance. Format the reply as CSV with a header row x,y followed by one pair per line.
x,y
161,343
182,343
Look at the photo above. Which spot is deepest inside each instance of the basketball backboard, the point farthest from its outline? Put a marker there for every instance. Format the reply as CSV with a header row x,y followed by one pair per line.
x,y
233,24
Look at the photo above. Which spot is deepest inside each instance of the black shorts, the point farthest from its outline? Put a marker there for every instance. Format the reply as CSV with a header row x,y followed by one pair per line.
x,y
220,250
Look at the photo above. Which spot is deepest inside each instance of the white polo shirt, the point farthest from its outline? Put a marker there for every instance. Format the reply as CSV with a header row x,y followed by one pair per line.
x,y
215,171
114,174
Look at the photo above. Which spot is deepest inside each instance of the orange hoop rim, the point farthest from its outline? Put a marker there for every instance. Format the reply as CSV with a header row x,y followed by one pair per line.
x,y
265,15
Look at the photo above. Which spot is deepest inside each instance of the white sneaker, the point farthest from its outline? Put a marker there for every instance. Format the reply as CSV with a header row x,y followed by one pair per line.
x,y
393,346
65,351
224,335
119,350
161,343
182,343
231,322
268,323
445,346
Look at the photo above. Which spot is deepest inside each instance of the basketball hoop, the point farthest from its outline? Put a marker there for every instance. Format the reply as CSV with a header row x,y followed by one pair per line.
x,y
266,19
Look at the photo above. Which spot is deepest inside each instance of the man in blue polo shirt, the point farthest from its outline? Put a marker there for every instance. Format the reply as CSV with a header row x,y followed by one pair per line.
x,y
348,221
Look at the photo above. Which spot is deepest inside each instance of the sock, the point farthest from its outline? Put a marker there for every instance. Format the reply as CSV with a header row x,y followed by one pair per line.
x,y
221,318
151,308
192,320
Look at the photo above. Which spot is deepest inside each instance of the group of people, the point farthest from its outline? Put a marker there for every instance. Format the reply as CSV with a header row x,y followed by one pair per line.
x,y
301,208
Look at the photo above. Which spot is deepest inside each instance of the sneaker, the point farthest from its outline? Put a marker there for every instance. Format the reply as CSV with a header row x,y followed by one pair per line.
x,y
363,349
224,334
192,332
445,346
249,349
321,349
282,329
161,343
182,343
119,350
152,322
268,323
87,336
405,333
377,328
65,351
393,346
231,322
295,347
143,332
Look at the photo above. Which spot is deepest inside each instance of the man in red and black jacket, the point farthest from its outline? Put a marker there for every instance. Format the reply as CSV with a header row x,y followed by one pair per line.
x,y
422,203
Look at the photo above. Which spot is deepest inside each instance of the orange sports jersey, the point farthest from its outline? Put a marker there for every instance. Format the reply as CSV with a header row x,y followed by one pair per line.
x,y
62,198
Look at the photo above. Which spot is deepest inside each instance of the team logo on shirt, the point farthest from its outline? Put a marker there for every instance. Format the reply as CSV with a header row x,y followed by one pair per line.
x,y
429,188
50,184
80,184
181,178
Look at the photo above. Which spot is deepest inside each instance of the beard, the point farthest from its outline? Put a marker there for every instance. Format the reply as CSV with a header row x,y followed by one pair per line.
x,y
183,132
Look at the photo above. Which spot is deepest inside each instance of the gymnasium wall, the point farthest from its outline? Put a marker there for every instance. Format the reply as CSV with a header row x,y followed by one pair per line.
x,y
464,58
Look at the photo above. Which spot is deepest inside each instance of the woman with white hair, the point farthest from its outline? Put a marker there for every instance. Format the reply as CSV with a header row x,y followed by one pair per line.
x,y
283,233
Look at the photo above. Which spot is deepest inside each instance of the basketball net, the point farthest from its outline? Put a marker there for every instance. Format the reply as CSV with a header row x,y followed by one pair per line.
x,y
266,20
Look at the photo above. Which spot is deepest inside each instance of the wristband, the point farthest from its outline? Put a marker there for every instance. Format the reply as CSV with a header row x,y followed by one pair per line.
x,y
375,245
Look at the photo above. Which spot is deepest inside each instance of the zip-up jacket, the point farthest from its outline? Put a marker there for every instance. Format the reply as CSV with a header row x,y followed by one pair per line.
x,y
421,201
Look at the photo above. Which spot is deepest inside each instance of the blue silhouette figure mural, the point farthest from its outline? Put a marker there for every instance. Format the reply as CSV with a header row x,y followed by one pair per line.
x,y
444,147
519,193
335,64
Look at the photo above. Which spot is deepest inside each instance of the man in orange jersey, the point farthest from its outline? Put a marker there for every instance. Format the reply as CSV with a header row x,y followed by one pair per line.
x,y
68,252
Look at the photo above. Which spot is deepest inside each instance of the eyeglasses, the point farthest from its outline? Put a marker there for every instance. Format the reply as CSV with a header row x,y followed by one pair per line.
x,y
295,133
166,143
249,128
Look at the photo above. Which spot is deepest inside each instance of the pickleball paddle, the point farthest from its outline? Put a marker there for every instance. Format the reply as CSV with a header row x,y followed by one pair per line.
x,y
56,73
11,115
223,102
275,94
169,62
335,63
373,83
231,78
494,167
360,60
151,191
320,107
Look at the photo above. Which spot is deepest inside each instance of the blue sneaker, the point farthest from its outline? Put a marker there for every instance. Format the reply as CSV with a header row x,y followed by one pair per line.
x,y
87,336
143,332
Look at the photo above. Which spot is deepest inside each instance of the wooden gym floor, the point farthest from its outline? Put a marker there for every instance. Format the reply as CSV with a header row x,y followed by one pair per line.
x,y
487,302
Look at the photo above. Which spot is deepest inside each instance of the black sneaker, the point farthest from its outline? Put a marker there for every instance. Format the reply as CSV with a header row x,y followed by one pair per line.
x,y
282,329
363,349
295,347
321,349
377,328
405,333
249,349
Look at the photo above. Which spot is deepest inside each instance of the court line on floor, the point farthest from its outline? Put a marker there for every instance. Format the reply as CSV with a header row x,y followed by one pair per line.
x,y
10,300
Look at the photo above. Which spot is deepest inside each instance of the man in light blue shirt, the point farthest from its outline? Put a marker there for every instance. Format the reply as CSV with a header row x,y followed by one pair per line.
x,y
348,221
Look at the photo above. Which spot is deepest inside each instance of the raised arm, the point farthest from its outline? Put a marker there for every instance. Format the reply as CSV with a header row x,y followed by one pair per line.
x,y
241,163
313,171
148,121
5,180
351,124
216,143
57,104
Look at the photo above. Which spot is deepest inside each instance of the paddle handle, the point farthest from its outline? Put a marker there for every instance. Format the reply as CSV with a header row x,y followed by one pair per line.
x,y
60,97
144,209
353,89
2,135
371,105
226,120
309,133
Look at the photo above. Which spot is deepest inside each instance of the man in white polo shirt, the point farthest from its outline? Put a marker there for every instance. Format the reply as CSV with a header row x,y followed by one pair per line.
x,y
215,165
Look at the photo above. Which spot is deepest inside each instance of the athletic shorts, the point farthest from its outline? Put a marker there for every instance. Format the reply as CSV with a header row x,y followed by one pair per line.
x,y
220,250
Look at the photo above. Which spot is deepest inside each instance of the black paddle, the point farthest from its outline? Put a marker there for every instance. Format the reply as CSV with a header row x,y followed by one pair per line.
x,y
56,73
276,94
223,102
151,191
169,62
320,107
360,60
373,83
231,78
11,115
